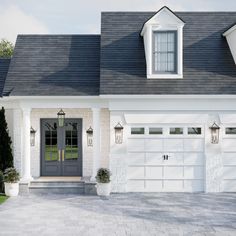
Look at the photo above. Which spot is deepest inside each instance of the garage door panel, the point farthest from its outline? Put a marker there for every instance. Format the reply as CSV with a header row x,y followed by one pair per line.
x,y
193,145
136,159
193,172
154,159
154,185
173,172
229,159
136,172
135,186
229,145
193,159
193,186
136,145
154,172
153,145
173,145
174,159
229,185
147,171
173,185
229,172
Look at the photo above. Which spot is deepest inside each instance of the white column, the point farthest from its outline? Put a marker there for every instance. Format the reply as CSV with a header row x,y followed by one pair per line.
x,y
26,175
17,143
96,141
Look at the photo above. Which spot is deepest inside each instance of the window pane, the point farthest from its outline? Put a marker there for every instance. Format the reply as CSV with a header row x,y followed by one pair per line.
x,y
176,130
155,130
194,130
230,130
164,52
137,130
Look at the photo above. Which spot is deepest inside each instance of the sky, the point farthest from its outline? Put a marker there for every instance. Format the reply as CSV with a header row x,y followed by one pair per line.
x,y
83,16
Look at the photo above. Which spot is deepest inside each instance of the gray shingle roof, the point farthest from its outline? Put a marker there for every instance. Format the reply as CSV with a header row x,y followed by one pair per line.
x,y
208,64
66,65
4,65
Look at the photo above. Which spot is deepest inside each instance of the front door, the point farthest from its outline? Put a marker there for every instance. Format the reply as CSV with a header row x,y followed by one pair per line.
x,y
61,148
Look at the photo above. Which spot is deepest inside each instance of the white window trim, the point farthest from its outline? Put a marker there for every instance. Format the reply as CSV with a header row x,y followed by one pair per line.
x,y
179,74
164,20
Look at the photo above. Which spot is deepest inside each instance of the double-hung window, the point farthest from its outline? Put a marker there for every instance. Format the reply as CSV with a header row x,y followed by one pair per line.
x,y
164,52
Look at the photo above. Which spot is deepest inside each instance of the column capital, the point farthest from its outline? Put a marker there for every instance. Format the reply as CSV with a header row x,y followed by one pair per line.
x,y
26,110
96,109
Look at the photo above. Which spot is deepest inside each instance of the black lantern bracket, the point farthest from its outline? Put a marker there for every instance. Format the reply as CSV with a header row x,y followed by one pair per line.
x,y
32,136
119,133
61,118
89,132
215,133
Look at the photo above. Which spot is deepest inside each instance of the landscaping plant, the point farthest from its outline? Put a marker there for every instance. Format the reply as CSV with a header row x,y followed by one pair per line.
x,y
6,157
103,175
11,175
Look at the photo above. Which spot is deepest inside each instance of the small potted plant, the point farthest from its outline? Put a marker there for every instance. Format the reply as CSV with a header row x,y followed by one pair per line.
x,y
103,182
11,182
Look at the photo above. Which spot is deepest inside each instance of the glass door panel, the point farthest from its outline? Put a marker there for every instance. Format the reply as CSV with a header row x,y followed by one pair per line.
x,y
71,141
51,149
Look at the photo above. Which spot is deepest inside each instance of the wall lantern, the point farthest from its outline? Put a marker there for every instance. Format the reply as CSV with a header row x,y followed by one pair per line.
x,y
32,136
61,118
118,133
215,131
89,137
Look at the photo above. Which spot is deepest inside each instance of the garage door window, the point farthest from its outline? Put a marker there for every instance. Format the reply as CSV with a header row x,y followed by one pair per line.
x,y
137,130
230,130
194,131
176,130
155,131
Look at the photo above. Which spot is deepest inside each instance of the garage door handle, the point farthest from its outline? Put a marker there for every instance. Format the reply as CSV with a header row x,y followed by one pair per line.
x,y
165,157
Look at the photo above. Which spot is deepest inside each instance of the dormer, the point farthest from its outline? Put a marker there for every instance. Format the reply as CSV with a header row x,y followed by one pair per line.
x,y
163,43
230,35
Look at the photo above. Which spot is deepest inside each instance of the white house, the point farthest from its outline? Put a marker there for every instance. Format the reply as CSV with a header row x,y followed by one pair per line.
x,y
168,79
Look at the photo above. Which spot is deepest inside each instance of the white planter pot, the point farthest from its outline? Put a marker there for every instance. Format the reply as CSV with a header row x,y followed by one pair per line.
x,y
11,189
103,189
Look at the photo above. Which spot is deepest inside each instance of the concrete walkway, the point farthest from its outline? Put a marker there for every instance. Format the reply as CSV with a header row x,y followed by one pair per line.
x,y
121,214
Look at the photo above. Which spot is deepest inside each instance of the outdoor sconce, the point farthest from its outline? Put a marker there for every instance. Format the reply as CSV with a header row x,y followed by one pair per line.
x,y
61,118
89,137
32,136
118,133
215,131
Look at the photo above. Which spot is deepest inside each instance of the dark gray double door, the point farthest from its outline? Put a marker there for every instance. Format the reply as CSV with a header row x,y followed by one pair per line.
x,y
61,148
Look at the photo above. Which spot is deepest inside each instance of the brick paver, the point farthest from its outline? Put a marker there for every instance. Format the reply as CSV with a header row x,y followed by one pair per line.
x,y
121,214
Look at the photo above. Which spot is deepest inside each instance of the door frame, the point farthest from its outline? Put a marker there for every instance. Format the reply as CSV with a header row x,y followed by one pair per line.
x,y
41,143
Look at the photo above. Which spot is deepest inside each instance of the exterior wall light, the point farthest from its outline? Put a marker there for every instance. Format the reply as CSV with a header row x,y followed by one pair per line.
x,y
61,118
32,136
89,137
118,133
215,131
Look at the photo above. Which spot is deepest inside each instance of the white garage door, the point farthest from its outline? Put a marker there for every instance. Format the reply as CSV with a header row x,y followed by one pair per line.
x,y
166,159
229,159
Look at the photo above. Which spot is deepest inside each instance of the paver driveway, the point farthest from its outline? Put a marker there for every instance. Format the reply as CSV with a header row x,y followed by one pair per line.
x,y
121,214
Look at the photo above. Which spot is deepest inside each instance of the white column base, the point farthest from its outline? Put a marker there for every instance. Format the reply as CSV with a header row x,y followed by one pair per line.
x,y
25,180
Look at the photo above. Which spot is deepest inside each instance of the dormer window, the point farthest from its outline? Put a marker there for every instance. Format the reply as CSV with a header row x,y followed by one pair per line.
x,y
164,52
163,44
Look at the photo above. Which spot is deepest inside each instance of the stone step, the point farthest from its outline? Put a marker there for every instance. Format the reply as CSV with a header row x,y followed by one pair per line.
x,y
56,187
56,183
56,190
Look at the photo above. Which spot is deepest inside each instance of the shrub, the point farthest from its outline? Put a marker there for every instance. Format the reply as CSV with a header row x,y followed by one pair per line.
x,y
11,175
103,175
6,157
1,182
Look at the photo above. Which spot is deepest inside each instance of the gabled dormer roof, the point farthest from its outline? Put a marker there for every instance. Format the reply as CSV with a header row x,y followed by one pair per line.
x,y
230,35
163,16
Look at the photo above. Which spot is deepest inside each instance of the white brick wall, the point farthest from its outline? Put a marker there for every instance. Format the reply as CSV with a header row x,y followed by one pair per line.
x,y
86,115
